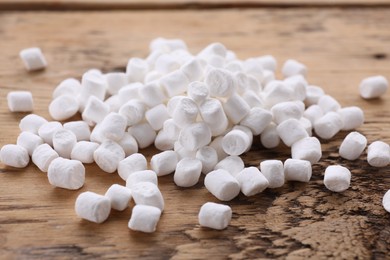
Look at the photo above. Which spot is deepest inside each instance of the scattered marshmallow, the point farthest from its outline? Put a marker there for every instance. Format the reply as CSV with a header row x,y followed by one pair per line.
x,y
133,111
353,146
308,148
164,163
63,142
185,112
31,123
147,193
128,143
143,134
47,131
269,136
156,116
151,94
252,181
297,170
80,129
141,176
313,95
232,164
20,101
386,201
208,157
373,87
195,136
352,117
63,107
115,81
67,174
236,108
198,91
214,215
95,111
14,155
33,59
293,67
144,218
291,131
378,154
119,196
108,155
187,172
113,126
313,113
286,110
83,151
70,86
29,141
222,185
93,207
236,142
328,125
328,103
214,116
337,178
133,163
220,83
273,171
42,156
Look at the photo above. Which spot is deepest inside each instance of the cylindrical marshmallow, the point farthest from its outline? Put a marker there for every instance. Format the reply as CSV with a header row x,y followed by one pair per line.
x,y
298,84
113,103
48,129
156,116
213,114
93,84
20,101
313,113
113,126
285,110
128,143
133,111
373,87
80,129
63,142
297,170
182,152
217,145
337,178
95,111
115,81
108,155
185,112
129,92
63,107
236,108
353,146
253,99
292,67
193,70
31,123
67,174
187,172
328,103
269,136
308,148
42,156
164,163
220,83
119,196
70,86
136,69
144,218
151,94
141,176
313,94
252,181
386,201
147,193
14,155
33,59
133,163
195,136
232,164
174,83
83,151
163,142
378,154
277,91
29,141
236,142
307,125
143,134
328,125
198,91
353,117
222,185
208,157
166,63
273,171
214,215
257,120
291,131
92,207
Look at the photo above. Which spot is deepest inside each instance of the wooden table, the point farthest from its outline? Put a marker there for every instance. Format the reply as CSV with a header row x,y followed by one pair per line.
x,y
341,43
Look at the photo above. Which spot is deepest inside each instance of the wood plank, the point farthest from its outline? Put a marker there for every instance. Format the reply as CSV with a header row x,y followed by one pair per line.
x,y
340,47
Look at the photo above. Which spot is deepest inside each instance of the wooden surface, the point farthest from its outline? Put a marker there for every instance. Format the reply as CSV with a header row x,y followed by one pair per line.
x,y
339,46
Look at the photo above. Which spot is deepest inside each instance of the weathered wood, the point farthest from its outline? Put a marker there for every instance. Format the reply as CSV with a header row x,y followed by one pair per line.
x,y
340,47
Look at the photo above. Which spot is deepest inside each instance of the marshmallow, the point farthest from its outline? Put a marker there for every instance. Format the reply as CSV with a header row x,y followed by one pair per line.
x,y
163,142
213,114
253,99
198,91
166,45
220,83
20,101
337,178
63,107
298,84
208,157
80,129
172,104
268,76
92,207
83,151
373,87
236,108
144,218
151,94
241,79
308,148
113,126
195,136
119,196
31,123
248,132
352,117
63,142
386,201
183,152
153,77
222,185
42,156
147,193
113,103
67,174
128,143
133,163
136,69
217,145
143,134
277,91
236,142
291,131
313,95
68,86
328,125
353,146
192,69
185,112
307,125
292,67
129,92
285,110
273,171
253,67
267,62
156,116
378,154
313,113
29,141
174,83
115,81
257,120
214,215
269,137
14,155
328,103
252,181
133,111
297,170
232,164
48,129
33,59
164,163
93,84
141,176
108,155
166,63
187,172
215,48
95,111
254,84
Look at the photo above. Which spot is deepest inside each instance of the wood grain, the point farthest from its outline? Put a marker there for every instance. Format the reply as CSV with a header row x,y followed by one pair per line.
x,y
340,47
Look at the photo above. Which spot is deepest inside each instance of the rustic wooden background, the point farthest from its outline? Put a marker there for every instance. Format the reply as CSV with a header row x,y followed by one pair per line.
x,y
341,42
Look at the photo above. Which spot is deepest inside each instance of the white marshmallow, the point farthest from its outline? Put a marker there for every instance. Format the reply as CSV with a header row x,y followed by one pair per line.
x,y
163,142
95,111
192,69
133,111
20,101
378,154
277,91
308,148
386,201
236,108
253,99
147,193
217,145
298,84
113,103
143,134
113,126
133,163
119,196
153,76
174,83
187,172
268,76
141,176
236,142
232,164
337,178
166,45
268,62
63,107
195,136
257,120
286,110
83,151
307,125
29,141
291,131
352,117
172,104
220,83
156,116
353,146
42,156
313,94
214,116
248,132
48,129
14,155
164,163
328,103
269,137
136,69
33,59
63,142
292,67
373,87
128,143
252,181
182,152
328,125
80,129
297,170
144,218
273,171
214,215
115,81
92,207
151,94
93,84
313,113
67,174
185,112
208,157
68,86
222,185
166,63
130,91
108,155
31,123
198,91
242,83
214,48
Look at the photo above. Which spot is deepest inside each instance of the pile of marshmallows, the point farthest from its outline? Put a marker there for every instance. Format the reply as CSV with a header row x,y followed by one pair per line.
x,y
202,111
